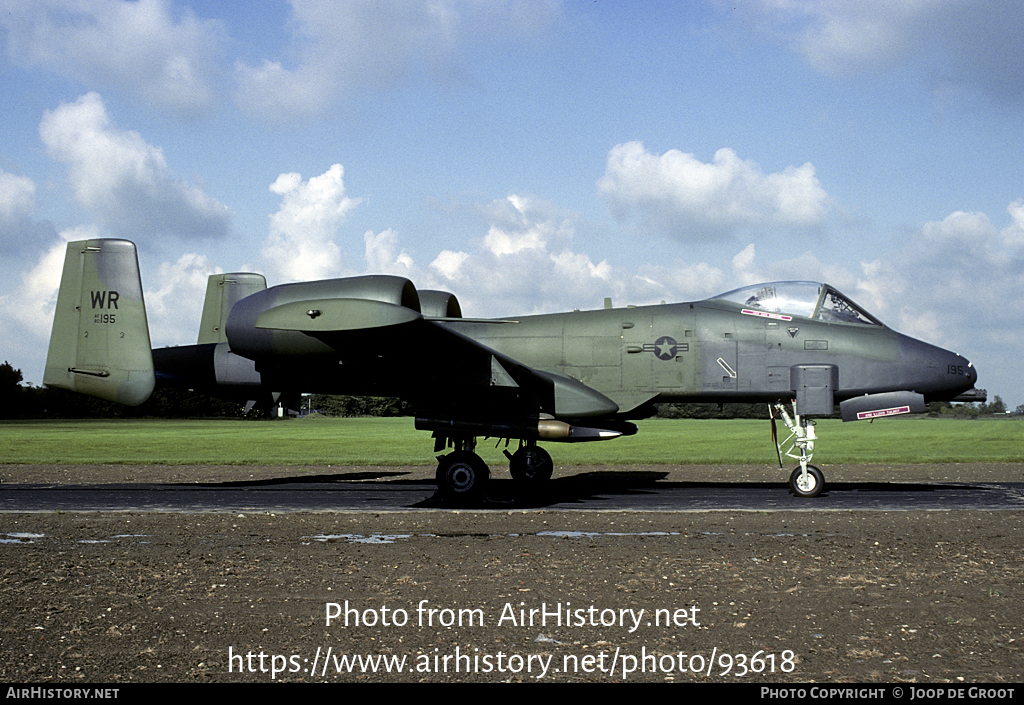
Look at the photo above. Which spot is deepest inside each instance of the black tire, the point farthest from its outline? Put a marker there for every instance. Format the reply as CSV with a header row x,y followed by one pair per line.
x,y
812,487
462,475
531,465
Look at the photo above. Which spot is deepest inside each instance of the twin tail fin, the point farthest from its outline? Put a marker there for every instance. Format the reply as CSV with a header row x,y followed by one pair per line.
x,y
100,341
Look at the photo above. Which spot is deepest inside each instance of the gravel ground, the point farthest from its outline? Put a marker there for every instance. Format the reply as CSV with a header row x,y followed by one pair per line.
x,y
916,597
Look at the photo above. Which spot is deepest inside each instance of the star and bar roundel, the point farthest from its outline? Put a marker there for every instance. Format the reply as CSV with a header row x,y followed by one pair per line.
x,y
666,347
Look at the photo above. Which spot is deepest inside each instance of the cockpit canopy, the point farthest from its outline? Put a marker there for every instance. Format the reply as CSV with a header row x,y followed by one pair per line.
x,y
805,299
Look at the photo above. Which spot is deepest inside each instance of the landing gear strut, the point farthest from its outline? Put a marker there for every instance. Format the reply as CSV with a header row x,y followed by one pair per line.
x,y
806,480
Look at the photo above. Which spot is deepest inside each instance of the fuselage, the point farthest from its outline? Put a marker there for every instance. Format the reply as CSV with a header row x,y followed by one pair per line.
x,y
379,335
742,346
720,351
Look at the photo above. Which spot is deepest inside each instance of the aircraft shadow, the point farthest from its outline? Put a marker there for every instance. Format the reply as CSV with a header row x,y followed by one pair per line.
x,y
594,488
590,489
298,479
617,489
574,489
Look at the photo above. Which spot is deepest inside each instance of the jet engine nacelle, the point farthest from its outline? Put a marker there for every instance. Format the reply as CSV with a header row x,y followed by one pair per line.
x,y
293,320
439,304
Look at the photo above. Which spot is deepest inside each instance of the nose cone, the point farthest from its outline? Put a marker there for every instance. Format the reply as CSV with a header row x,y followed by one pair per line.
x,y
958,372
940,375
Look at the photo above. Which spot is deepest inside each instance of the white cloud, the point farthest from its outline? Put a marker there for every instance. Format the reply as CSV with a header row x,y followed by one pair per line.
x,y
163,55
968,43
526,263
123,180
28,300
678,194
303,241
17,198
833,34
675,282
744,258
174,298
522,223
349,45
18,228
574,266
956,283
1013,234
449,263
383,255
497,276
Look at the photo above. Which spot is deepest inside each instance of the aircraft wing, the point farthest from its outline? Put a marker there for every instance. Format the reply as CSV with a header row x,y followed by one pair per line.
x,y
454,382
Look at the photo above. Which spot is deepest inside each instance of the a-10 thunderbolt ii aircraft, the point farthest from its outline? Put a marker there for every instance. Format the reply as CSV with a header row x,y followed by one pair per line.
x,y
563,377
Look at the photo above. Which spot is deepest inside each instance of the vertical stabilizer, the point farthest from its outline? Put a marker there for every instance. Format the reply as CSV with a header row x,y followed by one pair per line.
x,y
222,291
100,340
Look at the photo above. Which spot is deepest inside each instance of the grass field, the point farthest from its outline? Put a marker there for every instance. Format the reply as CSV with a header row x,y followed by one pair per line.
x,y
393,441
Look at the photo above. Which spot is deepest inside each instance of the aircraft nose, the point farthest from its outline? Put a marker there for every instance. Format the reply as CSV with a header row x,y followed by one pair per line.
x,y
937,373
959,373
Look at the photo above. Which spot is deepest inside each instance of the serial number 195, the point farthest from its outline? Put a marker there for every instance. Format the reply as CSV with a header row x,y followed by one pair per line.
x,y
103,317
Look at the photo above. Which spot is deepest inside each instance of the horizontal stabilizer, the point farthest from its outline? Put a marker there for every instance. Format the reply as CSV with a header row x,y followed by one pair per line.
x,y
334,315
877,406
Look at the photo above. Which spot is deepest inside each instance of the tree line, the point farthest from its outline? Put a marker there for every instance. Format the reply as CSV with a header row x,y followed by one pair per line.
x,y
19,401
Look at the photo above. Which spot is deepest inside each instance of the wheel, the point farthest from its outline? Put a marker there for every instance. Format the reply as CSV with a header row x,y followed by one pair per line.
x,y
810,486
462,474
531,464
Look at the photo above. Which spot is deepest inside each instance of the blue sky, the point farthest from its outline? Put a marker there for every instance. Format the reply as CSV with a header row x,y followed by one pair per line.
x,y
526,155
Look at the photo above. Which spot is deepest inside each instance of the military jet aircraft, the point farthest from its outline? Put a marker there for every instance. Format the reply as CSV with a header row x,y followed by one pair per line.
x,y
800,347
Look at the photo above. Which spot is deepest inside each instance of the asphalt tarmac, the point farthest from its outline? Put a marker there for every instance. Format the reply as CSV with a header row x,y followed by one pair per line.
x,y
636,488
895,575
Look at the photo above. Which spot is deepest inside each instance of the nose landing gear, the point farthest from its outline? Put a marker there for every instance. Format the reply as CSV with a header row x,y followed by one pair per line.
x,y
806,480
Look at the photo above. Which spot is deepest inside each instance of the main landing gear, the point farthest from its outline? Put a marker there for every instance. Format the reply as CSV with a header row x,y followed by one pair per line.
x,y
530,465
806,480
462,475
